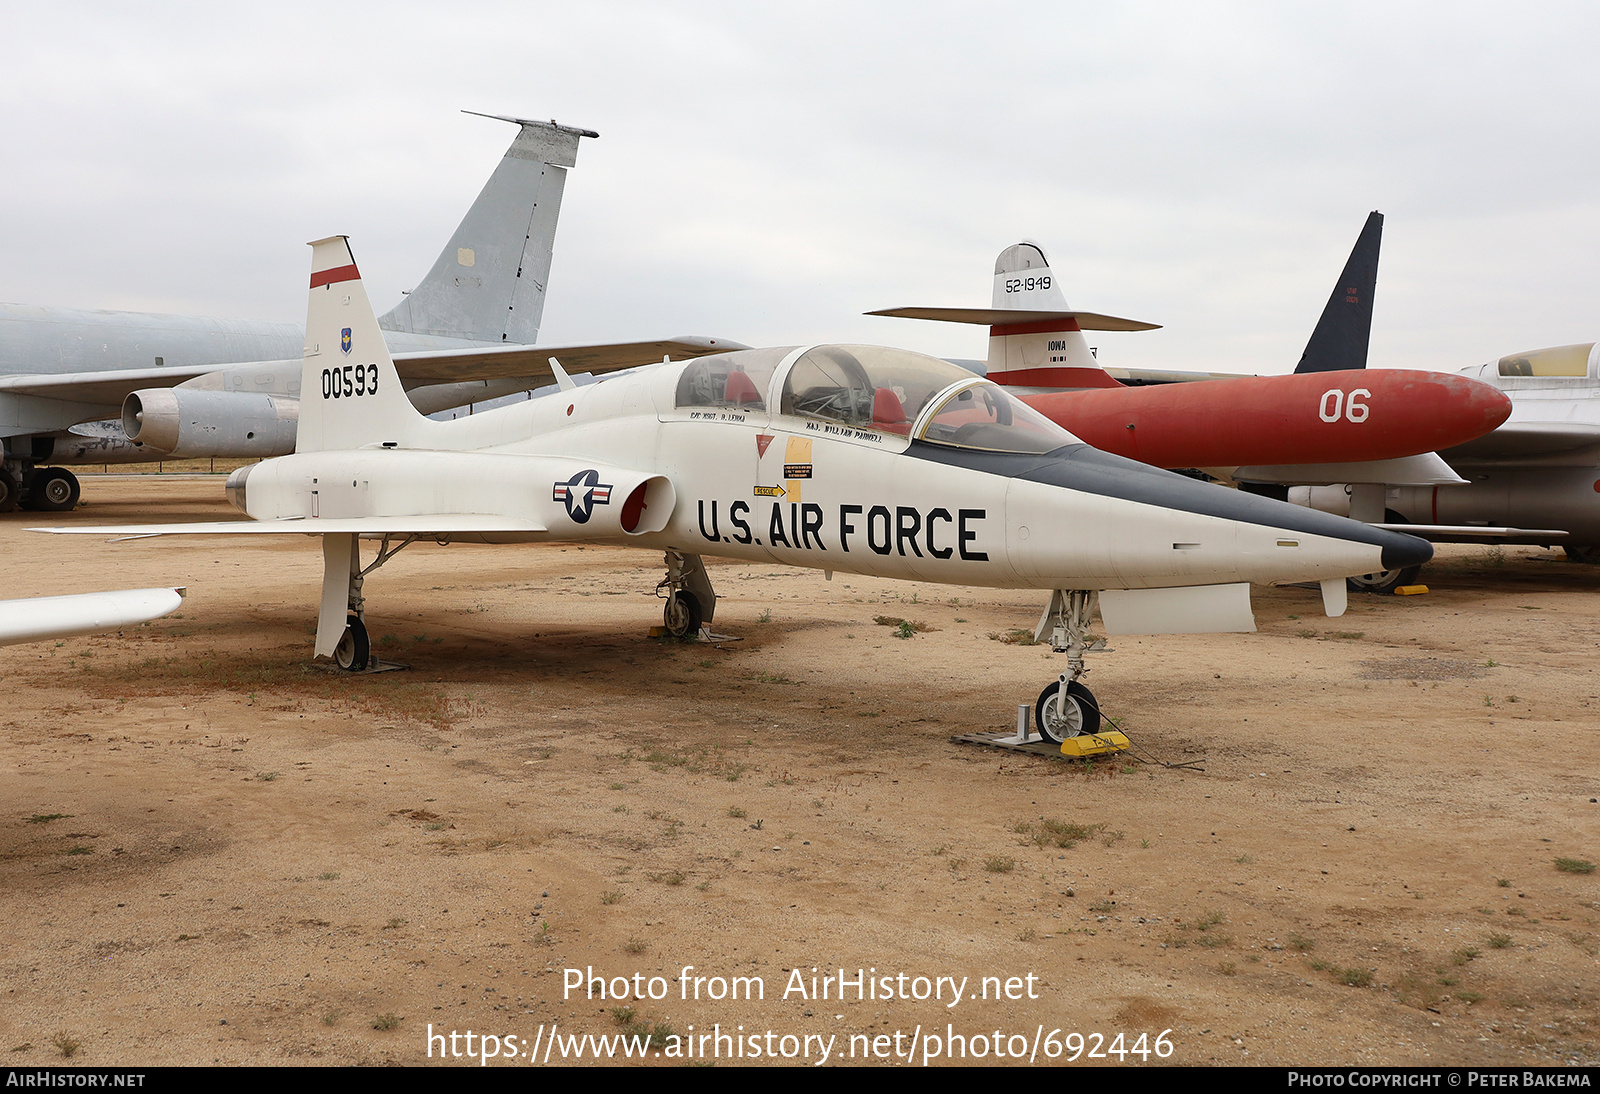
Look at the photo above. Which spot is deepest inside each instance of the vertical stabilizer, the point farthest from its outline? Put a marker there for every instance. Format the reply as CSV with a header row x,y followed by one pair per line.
x,y
1045,353
1345,329
350,394
488,284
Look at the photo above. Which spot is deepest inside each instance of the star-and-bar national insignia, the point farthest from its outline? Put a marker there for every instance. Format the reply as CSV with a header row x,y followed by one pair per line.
x,y
581,493
344,339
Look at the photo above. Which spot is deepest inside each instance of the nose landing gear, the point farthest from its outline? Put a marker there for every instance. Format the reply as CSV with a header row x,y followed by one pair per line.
x,y
691,602
1066,708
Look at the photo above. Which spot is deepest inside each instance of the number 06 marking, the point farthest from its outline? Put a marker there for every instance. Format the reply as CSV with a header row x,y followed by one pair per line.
x,y
1333,402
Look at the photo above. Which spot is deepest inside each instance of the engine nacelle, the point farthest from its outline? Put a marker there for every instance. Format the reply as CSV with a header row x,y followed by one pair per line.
x,y
187,422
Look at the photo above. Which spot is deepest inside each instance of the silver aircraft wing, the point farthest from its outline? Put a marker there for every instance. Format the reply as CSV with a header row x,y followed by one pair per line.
x,y
104,388
108,388
505,362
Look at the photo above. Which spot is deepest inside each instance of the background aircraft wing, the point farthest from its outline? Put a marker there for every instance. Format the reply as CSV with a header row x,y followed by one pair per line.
x,y
505,362
102,392
104,388
1516,439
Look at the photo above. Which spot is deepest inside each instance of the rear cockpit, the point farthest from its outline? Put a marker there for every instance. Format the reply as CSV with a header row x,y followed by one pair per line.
x,y
892,391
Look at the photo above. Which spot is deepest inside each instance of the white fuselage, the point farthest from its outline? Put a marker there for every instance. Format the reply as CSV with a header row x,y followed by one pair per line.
x,y
768,487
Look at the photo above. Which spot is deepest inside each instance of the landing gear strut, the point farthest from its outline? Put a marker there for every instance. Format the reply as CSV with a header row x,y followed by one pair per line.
x,y
691,602
1066,708
341,629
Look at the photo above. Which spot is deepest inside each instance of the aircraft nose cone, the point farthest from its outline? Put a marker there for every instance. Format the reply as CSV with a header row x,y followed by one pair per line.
x,y
1401,550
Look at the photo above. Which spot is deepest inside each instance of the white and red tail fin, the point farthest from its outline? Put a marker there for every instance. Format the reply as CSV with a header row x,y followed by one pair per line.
x,y
1044,352
1035,340
350,394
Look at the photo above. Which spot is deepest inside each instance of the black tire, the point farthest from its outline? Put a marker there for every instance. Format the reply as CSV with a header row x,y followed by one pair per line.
x,y
681,617
1083,713
1384,582
10,492
354,651
53,490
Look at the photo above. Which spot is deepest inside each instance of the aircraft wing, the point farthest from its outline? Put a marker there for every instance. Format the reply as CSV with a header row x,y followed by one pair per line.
x,y
109,387
1086,320
1479,533
1146,377
45,617
505,362
1528,439
426,524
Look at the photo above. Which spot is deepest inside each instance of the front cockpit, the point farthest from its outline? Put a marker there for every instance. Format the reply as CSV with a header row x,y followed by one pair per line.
x,y
889,391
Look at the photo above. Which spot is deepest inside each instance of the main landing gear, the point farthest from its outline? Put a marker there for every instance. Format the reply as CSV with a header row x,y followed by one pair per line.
x,y
41,489
1066,708
1384,582
341,629
691,602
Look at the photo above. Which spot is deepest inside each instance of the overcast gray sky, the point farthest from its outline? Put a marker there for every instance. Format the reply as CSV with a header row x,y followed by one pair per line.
x,y
767,172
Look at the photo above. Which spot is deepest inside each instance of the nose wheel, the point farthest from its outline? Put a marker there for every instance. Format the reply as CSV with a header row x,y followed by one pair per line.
x,y
1066,709
691,602
681,616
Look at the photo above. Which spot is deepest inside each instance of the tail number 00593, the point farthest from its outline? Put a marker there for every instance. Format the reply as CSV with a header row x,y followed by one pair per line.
x,y
1336,405
349,381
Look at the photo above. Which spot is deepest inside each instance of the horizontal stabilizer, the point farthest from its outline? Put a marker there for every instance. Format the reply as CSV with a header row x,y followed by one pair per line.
x,y
1086,320
422,525
1192,609
46,617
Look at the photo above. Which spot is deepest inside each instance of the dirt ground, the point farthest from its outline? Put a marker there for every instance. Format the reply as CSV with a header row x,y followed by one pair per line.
x,y
212,851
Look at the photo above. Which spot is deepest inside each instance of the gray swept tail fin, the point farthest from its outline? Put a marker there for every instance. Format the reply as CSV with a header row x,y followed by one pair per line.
x,y
488,284
1345,330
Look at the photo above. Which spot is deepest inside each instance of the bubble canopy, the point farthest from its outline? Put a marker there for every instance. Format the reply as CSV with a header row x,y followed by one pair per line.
x,y
874,387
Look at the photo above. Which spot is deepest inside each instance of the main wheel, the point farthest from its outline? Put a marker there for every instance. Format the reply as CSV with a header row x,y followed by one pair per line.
x,y
54,490
1080,714
1383,582
353,651
681,616
10,492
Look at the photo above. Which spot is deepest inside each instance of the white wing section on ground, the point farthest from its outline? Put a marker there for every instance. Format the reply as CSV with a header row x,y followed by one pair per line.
x,y
430,524
41,618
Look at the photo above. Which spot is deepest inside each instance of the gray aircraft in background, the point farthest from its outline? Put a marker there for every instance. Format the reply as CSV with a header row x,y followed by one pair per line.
x,y
82,386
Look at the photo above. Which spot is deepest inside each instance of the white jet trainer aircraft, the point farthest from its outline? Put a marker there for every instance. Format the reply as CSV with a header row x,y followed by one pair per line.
x,y
857,458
